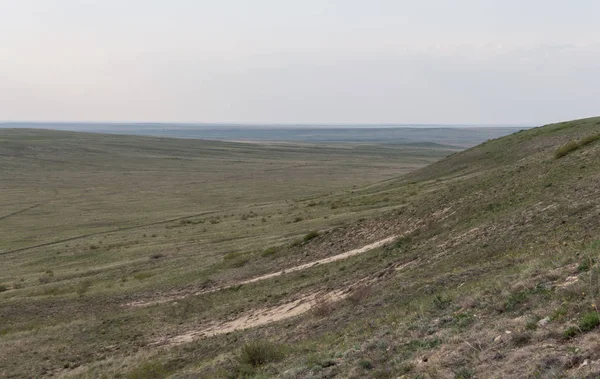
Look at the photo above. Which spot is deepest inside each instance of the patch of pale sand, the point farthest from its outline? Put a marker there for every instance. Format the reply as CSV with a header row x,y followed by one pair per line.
x,y
345,255
334,258
568,281
405,265
257,317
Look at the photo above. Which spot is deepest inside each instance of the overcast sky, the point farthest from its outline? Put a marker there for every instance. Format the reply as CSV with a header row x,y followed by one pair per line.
x,y
300,61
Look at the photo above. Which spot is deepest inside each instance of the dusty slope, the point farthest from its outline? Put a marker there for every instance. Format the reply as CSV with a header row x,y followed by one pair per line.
x,y
508,235
497,280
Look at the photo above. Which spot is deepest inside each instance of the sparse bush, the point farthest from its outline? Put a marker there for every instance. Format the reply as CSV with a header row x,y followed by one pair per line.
x,y
441,303
83,287
585,265
298,219
365,364
521,339
532,323
589,321
566,149
322,306
573,145
589,139
270,251
239,262
570,332
463,373
258,353
93,247
359,295
311,235
3,288
149,370
142,275
231,255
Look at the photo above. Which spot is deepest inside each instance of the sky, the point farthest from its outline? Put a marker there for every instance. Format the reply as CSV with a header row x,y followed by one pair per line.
x,y
300,61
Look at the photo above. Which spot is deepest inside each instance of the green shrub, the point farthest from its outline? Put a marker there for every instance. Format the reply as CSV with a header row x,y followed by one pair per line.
x,y
365,364
589,139
532,323
589,321
584,266
310,235
258,353
441,303
570,332
566,149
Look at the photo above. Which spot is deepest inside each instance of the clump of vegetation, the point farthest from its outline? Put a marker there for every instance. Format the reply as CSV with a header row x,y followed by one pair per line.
x,y
311,235
574,145
359,295
322,306
45,279
570,332
589,139
521,339
463,373
149,370
3,288
258,353
268,252
83,287
157,256
440,302
583,266
589,321
366,364
566,149
142,275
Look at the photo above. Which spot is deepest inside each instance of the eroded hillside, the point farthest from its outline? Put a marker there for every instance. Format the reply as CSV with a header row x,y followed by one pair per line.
x,y
483,264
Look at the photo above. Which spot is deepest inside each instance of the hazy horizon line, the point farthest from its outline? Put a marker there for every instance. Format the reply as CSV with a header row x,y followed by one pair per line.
x,y
4,123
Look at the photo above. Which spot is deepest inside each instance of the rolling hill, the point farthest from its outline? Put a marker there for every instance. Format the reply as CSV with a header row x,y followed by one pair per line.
x,y
479,265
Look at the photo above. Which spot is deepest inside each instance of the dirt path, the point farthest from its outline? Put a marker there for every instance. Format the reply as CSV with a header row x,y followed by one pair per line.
x,y
334,258
256,317
102,232
345,255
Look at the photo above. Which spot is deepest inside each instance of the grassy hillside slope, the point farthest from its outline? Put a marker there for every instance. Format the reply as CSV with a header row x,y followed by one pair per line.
x,y
492,273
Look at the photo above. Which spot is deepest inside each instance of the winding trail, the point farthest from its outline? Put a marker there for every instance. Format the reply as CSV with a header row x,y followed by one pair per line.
x,y
334,258
101,232
20,211
255,318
